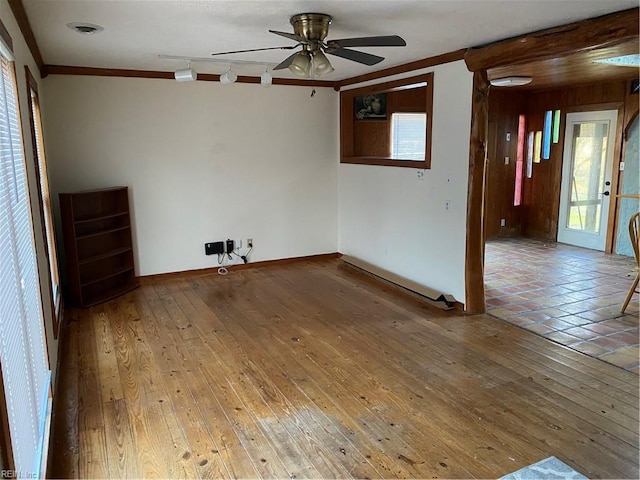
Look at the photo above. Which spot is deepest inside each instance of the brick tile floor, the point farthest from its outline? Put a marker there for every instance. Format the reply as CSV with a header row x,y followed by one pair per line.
x,y
568,294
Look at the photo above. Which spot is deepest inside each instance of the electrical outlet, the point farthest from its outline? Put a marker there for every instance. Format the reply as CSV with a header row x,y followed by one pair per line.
x,y
230,246
249,242
238,244
447,204
503,222
213,248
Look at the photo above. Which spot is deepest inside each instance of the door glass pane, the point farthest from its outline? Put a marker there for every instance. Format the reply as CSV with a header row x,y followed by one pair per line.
x,y
587,181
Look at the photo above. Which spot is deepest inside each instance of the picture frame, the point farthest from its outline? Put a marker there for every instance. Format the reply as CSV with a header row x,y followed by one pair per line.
x,y
370,107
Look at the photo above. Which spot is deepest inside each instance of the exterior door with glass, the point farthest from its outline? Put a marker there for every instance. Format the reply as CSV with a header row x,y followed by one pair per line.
x,y
585,191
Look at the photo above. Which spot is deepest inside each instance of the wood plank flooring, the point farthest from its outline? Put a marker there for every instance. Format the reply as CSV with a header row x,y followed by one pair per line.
x,y
315,370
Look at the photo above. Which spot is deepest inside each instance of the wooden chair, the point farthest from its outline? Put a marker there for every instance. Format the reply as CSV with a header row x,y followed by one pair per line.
x,y
634,222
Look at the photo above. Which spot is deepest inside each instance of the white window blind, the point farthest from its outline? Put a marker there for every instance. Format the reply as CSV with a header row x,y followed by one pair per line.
x,y
23,357
408,136
46,199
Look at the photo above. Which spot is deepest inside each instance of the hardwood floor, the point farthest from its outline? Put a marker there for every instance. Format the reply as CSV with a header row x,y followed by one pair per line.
x,y
315,370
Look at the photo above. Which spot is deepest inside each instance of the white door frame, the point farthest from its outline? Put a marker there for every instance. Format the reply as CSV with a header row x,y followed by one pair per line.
x,y
595,241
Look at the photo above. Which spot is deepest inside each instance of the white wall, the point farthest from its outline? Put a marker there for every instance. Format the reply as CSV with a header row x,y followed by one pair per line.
x,y
395,219
204,162
22,57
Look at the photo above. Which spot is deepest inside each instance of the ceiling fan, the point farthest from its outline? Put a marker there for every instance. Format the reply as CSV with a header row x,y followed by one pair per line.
x,y
310,31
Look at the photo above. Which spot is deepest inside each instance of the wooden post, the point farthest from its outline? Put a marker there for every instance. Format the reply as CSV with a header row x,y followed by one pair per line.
x,y
550,43
474,265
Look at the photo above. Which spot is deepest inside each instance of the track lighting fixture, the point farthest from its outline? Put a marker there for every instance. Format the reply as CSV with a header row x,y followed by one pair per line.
x,y
186,75
266,79
189,74
228,77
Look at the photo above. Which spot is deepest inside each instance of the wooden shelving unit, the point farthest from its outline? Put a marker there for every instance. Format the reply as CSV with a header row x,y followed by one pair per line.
x,y
97,237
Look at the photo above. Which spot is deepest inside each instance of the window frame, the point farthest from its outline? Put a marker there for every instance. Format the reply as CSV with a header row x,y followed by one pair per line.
x,y
347,141
26,375
44,208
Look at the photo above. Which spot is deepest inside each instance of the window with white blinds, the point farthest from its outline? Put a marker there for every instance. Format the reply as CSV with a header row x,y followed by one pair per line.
x,y
44,197
23,353
408,136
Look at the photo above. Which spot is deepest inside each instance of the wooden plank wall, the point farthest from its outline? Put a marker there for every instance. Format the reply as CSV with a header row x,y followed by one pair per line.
x,y
538,215
542,191
504,108
372,137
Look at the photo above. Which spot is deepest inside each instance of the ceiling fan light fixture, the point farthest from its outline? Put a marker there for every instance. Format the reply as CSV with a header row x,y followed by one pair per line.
x,y
186,75
321,64
266,79
511,81
228,77
301,64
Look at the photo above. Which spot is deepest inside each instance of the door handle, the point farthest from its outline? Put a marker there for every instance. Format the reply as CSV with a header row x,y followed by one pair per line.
x,y
606,194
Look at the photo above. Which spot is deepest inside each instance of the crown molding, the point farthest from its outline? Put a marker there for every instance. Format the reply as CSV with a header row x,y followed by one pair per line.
x,y
404,68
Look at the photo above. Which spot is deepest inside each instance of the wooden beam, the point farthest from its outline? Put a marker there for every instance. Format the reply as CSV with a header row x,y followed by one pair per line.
x,y
25,27
474,262
406,67
555,42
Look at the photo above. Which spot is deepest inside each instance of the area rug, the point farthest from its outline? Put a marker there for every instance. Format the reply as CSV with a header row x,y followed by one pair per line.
x,y
547,469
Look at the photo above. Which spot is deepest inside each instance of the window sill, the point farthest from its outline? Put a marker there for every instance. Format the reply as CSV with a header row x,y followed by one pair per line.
x,y
384,161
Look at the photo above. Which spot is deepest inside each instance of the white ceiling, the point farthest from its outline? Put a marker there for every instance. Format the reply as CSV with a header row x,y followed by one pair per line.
x,y
136,32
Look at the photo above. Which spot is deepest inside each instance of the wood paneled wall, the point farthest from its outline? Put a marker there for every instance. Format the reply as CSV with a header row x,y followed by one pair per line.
x,y
538,215
631,107
505,106
372,138
542,191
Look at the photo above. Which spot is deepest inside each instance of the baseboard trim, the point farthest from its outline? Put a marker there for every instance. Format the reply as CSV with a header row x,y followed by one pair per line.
x,y
438,299
240,266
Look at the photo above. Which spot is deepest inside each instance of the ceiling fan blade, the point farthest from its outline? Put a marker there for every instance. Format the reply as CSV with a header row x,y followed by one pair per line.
x,y
286,62
291,36
255,50
382,41
355,56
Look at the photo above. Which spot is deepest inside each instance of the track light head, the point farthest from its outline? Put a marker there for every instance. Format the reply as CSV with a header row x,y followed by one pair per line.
x,y
228,77
186,75
266,79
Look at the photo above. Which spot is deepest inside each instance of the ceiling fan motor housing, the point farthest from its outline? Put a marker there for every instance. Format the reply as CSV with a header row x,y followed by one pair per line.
x,y
312,27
